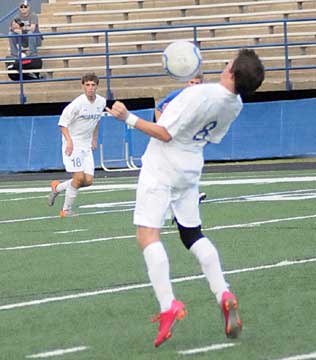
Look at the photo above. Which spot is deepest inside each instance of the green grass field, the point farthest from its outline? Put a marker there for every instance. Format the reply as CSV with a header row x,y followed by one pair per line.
x,y
76,288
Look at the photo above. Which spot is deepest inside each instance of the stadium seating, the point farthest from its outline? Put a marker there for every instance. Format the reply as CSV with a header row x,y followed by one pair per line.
x,y
138,52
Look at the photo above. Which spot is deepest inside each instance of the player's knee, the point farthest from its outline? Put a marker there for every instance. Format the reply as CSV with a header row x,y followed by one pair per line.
x,y
189,235
88,182
76,182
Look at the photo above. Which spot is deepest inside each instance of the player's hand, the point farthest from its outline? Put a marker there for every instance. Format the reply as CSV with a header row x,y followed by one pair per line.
x,y
69,148
118,110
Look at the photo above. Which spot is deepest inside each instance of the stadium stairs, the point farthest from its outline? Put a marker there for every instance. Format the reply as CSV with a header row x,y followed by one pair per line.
x,y
76,15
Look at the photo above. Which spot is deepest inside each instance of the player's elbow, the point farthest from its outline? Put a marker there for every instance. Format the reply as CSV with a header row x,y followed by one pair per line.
x,y
164,135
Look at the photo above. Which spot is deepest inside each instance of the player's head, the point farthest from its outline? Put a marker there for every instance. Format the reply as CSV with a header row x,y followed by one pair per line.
x,y
90,82
89,77
197,79
248,71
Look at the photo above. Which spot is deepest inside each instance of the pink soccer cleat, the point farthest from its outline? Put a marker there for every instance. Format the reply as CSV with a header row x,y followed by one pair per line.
x,y
233,324
167,319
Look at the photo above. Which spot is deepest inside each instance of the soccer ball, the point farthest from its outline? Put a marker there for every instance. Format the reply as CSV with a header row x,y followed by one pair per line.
x,y
181,60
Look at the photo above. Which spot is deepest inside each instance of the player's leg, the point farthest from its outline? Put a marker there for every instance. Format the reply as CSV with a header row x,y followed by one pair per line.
x,y
71,193
56,188
83,164
152,202
186,210
88,169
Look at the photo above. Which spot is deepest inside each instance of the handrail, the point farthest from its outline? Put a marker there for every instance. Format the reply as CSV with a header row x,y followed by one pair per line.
x,y
286,44
9,14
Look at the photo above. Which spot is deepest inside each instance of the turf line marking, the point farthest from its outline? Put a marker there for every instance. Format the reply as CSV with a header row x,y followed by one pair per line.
x,y
206,201
301,357
258,223
90,188
214,228
58,217
206,349
144,285
203,182
259,180
58,352
45,196
69,231
67,243
132,203
108,204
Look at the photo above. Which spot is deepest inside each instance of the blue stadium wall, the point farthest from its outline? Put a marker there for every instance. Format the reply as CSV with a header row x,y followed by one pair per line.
x,y
275,129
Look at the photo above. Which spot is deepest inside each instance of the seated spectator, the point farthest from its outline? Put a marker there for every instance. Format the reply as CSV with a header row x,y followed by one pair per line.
x,y
198,79
25,23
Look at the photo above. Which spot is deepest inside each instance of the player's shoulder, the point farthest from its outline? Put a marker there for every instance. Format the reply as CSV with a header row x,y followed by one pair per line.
x,y
79,100
75,103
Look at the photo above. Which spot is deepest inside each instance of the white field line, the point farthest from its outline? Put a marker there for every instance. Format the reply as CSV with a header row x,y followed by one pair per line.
x,y
70,231
301,357
58,217
58,352
203,183
45,196
231,198
45,245
271,196
108,204
214,228
48,189
279,195
145,285
206,349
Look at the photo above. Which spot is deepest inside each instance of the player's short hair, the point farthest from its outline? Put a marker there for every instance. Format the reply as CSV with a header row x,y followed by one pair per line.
x,y
90,77
248,71
199,76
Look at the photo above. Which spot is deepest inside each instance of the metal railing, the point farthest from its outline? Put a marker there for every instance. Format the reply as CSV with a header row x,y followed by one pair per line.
x,y
192,33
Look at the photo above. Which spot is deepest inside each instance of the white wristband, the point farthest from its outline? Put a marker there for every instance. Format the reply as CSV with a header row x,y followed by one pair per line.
x,y
131,120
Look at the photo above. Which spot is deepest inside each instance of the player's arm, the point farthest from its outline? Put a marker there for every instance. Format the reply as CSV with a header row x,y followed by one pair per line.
x,y
119,111
95,137
69,143
157,114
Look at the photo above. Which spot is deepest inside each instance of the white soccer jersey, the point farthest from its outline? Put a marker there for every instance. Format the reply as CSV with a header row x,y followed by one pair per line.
x,y
81,117
199,114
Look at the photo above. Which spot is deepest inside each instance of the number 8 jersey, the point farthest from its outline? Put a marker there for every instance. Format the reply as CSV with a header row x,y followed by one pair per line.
x,y
199,114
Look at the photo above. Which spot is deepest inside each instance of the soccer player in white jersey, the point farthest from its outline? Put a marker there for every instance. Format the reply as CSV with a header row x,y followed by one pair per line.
x,y
172,166
79,124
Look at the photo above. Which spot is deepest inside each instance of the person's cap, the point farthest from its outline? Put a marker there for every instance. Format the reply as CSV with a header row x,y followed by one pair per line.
x,y
25,3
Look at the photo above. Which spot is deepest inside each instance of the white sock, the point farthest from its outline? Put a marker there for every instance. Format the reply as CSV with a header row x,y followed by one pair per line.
x,y
63,185
208,258
70,196
157,263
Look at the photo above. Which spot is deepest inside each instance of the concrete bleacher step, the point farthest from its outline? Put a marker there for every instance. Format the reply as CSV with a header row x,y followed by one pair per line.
x,y
187,10
174,20
141,14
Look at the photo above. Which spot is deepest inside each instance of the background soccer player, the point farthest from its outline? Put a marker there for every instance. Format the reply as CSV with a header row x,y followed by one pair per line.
x,y
162,104
79,123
